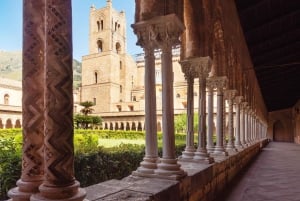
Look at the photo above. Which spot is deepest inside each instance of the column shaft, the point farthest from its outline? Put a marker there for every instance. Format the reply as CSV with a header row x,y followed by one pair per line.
x,y
150,160
210,113
190,149
32,102
59,182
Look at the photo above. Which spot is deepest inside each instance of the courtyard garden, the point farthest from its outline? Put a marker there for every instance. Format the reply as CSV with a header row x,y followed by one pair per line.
x,y
99,155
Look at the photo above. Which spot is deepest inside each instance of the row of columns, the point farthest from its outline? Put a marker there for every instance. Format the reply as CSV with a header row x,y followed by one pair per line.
x,y
163,33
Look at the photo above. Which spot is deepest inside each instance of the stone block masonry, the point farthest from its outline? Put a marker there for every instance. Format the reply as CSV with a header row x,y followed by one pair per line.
x,y
203,181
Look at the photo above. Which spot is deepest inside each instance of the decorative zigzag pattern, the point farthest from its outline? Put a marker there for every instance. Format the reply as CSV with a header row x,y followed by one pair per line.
x,y
58,95
33,102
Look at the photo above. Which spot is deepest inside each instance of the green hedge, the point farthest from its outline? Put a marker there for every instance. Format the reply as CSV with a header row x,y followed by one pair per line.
x,y
92,164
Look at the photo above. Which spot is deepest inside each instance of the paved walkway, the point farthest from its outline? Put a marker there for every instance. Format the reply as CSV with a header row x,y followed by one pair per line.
x,y
273,176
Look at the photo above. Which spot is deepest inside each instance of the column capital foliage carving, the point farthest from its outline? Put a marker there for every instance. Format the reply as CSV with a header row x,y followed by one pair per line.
x,y
244,105
219,82
196,67
238,99
230,94
159,32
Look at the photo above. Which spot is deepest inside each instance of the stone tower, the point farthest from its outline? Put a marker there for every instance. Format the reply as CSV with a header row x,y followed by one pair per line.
x,y
108,72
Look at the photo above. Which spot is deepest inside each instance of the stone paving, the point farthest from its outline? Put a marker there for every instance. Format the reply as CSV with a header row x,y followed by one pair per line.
x,y
273,176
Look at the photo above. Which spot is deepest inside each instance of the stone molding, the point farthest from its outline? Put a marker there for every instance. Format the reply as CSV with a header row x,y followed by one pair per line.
x,y
238,99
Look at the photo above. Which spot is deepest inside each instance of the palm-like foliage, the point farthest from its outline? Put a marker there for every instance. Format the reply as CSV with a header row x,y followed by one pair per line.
x,y
87,107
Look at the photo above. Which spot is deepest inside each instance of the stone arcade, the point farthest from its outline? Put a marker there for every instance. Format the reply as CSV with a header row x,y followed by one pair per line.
x,y
209,52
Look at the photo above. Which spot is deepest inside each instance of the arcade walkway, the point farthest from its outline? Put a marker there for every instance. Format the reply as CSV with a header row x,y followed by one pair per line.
x,y
273,176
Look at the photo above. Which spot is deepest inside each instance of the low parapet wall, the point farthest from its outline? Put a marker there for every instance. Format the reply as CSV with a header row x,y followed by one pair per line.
x,y
203,181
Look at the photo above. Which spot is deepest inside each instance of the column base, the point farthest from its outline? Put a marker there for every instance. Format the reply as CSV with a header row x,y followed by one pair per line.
x,y
220,151
203,156
231,149
188,154
57,193
24,190
148,165
169,169
239,147
210,149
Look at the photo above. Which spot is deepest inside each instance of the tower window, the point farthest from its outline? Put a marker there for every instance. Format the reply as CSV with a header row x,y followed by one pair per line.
x,y
100,46
119,107
118,48
131,108
120,65
101,25
96,77
95,101
121,88
116,25
98,26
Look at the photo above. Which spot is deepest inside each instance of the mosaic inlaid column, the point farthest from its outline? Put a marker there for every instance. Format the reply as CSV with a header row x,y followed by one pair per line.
x,y
32,102
189,73
238,133
210,116
59,182
169,31
220,83
230,95
145,40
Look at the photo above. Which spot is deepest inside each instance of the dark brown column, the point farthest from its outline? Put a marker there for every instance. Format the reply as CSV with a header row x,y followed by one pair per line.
x,y
32,101
59,182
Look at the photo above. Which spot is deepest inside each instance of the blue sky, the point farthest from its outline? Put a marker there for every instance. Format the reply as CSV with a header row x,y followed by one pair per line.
x,y
11,24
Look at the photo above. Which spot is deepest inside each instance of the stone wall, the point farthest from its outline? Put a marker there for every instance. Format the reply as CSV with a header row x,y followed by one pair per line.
x,y
281,126
203,181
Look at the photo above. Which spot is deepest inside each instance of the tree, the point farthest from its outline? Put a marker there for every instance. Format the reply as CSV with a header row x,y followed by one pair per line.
x,y
87,107
84,120
180,122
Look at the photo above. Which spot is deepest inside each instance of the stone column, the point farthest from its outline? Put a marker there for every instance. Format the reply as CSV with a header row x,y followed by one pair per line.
x,y
204,67
149,163
59,182
243,123
230,95
247,125
164,32
189,73
32,102
219,83
210,116
170,28
238,135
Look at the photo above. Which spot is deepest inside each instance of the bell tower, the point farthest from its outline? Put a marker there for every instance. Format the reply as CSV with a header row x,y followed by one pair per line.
x,y
107,68
107,30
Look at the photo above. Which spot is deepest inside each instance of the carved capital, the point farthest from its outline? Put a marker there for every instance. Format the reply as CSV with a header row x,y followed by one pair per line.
x,y
159,32
238,99
244,105
198,67
230,94
217,82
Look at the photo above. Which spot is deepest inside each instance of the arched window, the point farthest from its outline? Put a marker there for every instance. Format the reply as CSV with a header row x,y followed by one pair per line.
x,y
98,26
118,48
100,46
96,77
101,25
6,99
